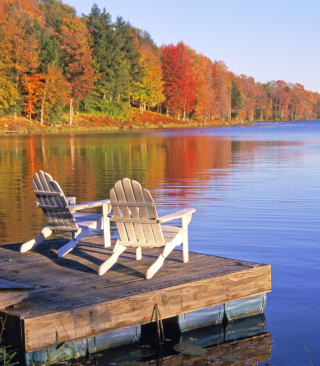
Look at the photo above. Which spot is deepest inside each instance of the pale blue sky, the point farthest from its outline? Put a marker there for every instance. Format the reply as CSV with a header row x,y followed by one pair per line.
x,y
265,39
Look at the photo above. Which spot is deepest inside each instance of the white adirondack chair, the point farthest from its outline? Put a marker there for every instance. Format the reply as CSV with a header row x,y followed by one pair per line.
x,y
61,214
139,226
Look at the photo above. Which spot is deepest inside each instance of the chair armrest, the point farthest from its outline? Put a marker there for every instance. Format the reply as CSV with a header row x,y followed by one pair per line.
x,y
83,206
71,201
176,215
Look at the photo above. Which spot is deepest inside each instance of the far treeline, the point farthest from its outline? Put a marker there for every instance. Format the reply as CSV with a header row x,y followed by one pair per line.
x,y
52,61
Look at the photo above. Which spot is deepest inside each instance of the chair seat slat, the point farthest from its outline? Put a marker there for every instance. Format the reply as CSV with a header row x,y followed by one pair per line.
x,y
62,228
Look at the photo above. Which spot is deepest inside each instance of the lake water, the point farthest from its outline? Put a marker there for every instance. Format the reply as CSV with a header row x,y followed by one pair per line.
x,y
255,188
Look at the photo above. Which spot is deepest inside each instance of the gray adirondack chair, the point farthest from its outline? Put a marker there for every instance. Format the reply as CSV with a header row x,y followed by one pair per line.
x,y
61,214
138,224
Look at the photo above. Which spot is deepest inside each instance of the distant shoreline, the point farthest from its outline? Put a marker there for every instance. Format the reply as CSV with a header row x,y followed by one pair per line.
x,y
100,124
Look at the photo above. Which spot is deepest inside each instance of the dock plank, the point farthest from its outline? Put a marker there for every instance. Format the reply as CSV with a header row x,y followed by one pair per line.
x,y
69,296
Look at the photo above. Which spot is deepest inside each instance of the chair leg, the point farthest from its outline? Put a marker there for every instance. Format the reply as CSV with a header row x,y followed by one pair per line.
x,y
185,244
72,243
153,269
45,232
138,253
67,248
112,260
106,225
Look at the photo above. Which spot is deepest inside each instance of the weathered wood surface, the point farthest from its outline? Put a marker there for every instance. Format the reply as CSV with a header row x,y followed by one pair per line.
x,y
71,298
12,293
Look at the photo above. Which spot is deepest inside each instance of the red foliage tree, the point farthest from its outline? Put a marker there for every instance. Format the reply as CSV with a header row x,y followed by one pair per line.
x,y
77,57
179,79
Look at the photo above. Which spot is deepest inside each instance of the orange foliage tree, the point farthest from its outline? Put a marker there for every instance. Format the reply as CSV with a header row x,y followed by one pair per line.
x,y
298,94
284,99
205,94
31,84
54,91
222,86
249,92
77,58
263,103
18,45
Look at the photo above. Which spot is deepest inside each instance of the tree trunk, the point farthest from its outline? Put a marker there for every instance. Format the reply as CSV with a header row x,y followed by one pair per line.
x,y
71,111
42,110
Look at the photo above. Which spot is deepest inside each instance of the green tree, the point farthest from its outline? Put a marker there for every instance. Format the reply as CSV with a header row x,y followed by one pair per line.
x,y
106,52
55,12
130,73
236,100
49,48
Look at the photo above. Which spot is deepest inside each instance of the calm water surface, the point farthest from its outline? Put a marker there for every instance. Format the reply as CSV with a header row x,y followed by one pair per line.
x,y
255,188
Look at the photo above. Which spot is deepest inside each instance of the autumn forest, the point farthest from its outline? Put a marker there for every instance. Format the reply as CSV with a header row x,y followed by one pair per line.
x,y
54,63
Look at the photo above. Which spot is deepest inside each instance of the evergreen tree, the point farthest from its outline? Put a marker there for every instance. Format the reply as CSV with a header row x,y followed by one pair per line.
x,y
130,74
106,51
236,100
49,48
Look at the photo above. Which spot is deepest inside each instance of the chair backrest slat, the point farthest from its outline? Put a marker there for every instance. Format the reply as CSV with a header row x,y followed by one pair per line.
x,y
138,229
156,228
43,199
117,215
144,212
131,192
126,230
52,201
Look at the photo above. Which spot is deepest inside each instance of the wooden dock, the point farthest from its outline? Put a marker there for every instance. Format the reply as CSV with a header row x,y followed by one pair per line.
x,y
70,297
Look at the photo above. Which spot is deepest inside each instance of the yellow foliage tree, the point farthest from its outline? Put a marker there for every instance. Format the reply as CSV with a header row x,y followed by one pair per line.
x,y
18,46
151,85
55,90
7,90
